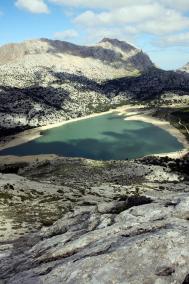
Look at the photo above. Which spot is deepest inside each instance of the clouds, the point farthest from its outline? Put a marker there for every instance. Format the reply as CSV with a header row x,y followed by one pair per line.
x,y
182,5
66,35
33,6
180,39
173,4
124,15
151,18
166,20
98,3
40,6
132,18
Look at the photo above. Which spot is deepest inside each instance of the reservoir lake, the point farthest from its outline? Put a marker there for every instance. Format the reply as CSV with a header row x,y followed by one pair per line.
x,y
104,137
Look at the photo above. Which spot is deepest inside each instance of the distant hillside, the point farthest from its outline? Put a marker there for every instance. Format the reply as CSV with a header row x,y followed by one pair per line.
x,y
107,60
45,81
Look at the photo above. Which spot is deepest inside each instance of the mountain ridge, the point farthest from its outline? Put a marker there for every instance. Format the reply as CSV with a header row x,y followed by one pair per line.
x,y
111,58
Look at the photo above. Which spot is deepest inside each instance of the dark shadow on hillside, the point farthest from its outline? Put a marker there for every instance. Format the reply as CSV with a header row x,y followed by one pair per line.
x,y
83,82
47,96
149,84
97,52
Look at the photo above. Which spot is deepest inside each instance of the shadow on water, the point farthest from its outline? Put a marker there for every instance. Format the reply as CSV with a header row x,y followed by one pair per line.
x,y
115,116
128,144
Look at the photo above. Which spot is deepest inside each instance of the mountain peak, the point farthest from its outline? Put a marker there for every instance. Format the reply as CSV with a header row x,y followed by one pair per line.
x,y
111,40
109,59
117,43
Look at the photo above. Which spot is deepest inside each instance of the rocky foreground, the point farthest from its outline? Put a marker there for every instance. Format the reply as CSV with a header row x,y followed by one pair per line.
x,y
82,221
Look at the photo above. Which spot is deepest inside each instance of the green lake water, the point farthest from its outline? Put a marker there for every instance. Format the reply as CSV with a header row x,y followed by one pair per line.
x,y
105,137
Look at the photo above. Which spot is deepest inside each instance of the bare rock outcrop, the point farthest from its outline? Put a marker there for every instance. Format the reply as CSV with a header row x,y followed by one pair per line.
x,y
108,59
119,222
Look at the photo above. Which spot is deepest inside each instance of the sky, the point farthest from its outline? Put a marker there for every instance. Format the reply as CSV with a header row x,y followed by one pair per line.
x,y
158,27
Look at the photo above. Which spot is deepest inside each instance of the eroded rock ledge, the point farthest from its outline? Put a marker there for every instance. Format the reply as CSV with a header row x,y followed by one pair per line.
x,y
127,222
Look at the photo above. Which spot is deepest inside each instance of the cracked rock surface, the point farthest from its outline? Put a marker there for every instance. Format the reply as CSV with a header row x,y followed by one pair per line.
x,y
121,225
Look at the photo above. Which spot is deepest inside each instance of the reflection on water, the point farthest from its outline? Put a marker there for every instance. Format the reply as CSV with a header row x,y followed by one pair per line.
x,y
104,137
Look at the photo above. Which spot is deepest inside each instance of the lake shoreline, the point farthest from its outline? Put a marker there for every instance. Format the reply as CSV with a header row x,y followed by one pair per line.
x,y
34,133
146,116
132,113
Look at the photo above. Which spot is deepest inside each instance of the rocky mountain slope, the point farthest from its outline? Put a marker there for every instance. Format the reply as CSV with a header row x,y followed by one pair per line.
x,y
45,81
107,60
117,222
